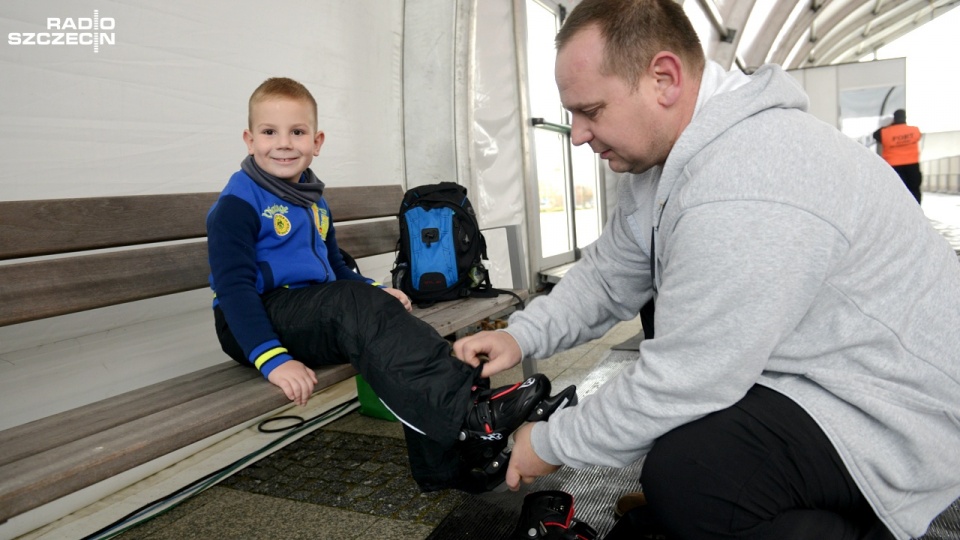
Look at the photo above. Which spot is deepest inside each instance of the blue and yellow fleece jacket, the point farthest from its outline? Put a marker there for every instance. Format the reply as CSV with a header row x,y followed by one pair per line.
x,y
257,242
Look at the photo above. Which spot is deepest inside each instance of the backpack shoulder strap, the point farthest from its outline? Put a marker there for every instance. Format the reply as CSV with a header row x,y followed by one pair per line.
x,y
485,291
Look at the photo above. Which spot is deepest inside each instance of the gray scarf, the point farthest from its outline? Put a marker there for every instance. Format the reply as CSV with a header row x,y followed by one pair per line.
x,y
305,193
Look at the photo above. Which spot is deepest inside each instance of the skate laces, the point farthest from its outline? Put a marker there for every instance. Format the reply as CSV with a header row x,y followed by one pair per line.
x,y
498,400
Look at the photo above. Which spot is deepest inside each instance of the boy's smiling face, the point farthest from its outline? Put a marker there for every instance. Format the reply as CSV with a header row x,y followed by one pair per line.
x,y
282,136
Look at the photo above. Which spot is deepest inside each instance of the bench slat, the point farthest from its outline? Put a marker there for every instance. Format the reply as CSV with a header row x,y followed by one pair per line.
x,y
39,289
448,317
59,429
29,228
363,202
91,281
45,227
33,481
366,239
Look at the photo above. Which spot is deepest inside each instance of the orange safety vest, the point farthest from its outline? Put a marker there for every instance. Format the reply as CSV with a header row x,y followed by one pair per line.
x,y
900,144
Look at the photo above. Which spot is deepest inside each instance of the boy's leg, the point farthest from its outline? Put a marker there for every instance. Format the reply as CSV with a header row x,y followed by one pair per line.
x,y
407,363
761,469
434,465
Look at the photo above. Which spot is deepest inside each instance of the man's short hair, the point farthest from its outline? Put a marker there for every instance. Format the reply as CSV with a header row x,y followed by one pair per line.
x,y
634,31
281,87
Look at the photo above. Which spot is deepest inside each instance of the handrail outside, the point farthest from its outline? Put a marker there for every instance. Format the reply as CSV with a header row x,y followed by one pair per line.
x,y
941,175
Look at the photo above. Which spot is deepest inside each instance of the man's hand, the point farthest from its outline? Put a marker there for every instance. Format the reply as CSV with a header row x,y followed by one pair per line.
x,y
525,465
295,379
502,351
399,295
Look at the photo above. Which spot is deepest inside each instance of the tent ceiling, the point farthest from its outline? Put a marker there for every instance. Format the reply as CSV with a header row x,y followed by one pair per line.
x,y
808,33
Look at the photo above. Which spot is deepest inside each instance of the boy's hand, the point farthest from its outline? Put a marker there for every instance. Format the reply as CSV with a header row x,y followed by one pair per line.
x,y
399,295
500,349
295,379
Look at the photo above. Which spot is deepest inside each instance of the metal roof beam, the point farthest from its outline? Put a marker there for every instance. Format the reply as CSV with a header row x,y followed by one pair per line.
x,y
759,51
886,31
713,13
846,30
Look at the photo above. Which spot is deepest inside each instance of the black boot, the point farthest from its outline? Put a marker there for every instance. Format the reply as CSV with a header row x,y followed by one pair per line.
x,y
496,413
548,515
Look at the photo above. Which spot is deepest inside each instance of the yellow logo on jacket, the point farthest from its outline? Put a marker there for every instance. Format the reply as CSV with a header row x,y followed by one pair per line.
x,y
281,225
322,220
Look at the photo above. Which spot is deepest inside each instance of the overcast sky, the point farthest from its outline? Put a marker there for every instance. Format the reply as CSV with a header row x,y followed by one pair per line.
x,y
933,72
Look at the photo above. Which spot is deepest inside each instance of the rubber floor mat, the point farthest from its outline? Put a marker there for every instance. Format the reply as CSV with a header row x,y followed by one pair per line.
x,y
947,524
494,515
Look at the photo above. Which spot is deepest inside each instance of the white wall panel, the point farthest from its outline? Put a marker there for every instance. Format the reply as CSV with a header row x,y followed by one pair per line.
x,y
162,110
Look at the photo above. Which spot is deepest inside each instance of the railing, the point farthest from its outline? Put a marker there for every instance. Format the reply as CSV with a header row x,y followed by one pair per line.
x,y
941,175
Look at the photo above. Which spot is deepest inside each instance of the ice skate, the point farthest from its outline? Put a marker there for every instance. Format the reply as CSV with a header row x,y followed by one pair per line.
x,y
496,413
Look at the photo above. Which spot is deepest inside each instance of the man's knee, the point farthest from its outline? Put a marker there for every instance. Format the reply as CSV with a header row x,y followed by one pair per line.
x,y
666,484
687,479
668,463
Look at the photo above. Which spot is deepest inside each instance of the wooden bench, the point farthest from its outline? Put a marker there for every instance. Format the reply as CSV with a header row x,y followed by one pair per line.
x,y
164,252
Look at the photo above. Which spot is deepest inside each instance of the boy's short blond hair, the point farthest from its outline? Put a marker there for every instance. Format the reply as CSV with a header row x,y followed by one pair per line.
x,y
284,88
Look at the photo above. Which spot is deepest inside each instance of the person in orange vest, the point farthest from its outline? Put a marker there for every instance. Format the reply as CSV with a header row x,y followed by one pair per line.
x,y
900,147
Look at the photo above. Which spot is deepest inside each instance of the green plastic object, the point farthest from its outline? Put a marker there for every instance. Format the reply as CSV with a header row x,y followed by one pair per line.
x,y
370,404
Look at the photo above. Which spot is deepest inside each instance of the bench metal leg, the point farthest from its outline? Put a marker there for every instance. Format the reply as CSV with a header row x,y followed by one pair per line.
x,y
518,268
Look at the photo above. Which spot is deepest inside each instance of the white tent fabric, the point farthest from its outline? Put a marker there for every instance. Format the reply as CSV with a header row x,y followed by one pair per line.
x,y
497,150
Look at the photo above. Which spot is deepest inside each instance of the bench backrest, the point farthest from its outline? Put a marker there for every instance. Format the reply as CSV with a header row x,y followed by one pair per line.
x,y
69,255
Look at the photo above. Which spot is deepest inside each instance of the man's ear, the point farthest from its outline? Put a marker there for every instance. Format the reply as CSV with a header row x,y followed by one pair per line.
x,y
667,70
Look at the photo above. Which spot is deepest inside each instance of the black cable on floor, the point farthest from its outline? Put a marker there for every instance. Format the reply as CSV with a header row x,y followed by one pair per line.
x,y
134,518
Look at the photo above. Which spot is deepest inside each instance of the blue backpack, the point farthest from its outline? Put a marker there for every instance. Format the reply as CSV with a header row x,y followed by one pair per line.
x,y
441,249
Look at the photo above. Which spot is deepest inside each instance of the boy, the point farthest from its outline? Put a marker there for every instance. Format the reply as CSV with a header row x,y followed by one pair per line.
x,y
285,302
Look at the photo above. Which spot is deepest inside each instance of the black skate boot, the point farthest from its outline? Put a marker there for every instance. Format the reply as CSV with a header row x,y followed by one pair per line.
x,y
548,515
496,414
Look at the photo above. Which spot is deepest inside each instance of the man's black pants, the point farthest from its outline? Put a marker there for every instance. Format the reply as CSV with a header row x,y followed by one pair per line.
x,y
407,363
762,469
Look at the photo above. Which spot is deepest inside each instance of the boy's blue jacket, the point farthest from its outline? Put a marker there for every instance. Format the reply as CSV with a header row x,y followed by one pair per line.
x,y
258,242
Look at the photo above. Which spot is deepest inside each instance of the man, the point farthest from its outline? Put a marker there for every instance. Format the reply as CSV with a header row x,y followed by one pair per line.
x,y
900,147
804,379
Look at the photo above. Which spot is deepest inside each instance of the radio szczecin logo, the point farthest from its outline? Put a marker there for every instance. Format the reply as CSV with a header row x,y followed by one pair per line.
x,y
95,31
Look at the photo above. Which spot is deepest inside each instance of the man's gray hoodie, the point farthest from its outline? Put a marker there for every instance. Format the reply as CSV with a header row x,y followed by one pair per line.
x,y
786,254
